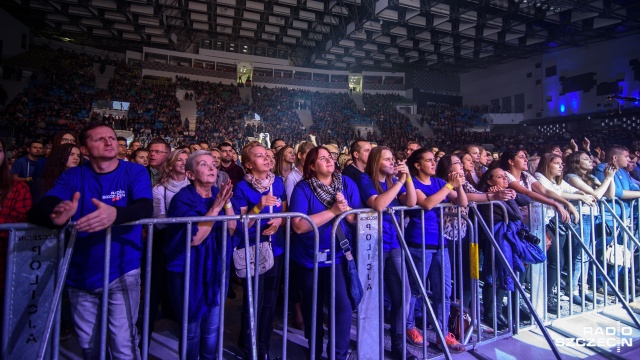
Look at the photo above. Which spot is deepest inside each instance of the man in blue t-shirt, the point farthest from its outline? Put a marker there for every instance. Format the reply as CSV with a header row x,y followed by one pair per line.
x,y
22,169
101,193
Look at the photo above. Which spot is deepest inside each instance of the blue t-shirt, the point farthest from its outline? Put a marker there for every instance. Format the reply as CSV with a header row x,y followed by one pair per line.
x,y
305,201
121,187
244,195
367,190
413,233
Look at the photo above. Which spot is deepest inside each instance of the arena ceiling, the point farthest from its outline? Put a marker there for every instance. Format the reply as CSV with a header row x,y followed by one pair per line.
x,y
448,35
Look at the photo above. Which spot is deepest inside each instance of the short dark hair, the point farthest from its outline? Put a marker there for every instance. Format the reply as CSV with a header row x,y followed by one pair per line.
x,y
160,141
84,134
273,143
35,142
355,146
121,138
614,150
225,144
203,142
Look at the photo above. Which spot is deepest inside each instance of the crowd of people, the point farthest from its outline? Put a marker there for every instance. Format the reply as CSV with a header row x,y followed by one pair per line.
x,y
97,180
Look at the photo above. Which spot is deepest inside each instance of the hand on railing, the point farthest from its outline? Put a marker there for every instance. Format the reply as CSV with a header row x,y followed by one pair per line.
x,y
564,214
588,200
340,205
574,212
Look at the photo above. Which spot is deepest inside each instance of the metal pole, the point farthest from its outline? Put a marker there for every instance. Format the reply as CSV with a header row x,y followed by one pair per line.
x,y
105,294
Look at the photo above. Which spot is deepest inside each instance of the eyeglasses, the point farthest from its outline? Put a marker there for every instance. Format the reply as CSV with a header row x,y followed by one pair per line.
x,y
122,145
325,159
157,152
334,154
67,141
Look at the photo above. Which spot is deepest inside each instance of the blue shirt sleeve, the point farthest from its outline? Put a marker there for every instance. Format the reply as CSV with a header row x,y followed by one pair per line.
x,y
140,186
598,172
367,188
351,193
299,201
64,187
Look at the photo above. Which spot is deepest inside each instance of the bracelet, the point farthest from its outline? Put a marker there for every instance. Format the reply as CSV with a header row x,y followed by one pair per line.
x,y
409,180
227,205
256,210
487,196
449,186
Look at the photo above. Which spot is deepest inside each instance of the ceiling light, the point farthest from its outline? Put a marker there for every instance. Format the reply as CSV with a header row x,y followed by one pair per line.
x,y
556,10
538,4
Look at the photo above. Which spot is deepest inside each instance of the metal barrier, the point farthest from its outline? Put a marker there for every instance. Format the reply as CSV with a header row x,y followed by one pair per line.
x,y
457,267
496,250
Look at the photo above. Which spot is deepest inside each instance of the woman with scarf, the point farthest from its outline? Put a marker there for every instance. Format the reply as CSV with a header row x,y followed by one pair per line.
x,y
323,194
199,198
386,183
261,192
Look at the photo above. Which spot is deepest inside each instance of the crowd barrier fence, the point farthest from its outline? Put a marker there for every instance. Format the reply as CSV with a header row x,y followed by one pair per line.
x,y
460,268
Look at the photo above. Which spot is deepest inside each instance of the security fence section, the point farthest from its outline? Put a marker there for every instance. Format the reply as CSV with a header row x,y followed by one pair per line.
x,y
38,260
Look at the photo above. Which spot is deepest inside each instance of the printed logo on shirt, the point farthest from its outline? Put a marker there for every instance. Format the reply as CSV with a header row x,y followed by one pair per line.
x,y
278,202
115,195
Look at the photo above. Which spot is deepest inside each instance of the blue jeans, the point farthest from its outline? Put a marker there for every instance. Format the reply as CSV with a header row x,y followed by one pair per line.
x,y
580,261
441,265
122,334
202,334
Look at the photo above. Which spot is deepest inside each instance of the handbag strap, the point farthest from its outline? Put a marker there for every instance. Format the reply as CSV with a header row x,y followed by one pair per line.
x,y
344,243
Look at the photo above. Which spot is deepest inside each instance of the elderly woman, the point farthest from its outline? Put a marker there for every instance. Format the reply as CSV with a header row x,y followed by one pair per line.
x,y
200,198
386,183
261,192
323,195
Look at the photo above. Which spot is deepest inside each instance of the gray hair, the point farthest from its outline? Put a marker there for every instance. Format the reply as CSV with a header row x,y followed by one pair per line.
x,y
191,160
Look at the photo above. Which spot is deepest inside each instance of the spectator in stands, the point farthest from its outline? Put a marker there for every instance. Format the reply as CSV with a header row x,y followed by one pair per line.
x,y
323,195
412,146
278,144
285,161
383,185
228,165
204,145
578,173
64,157
438,155
360,150
222,176
261,191
549,174
159,149
296,173
96,195
15,201
122,148
135,145
550,148
626,191
514,163
476,173
432,263
140,156
173,178
24,167
468,167
200,198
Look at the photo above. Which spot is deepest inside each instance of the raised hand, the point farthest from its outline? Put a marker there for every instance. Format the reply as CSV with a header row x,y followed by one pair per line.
x,y
573,145
455,179
65,210
586,144
267,200
98,220
610,170
403,171
226,190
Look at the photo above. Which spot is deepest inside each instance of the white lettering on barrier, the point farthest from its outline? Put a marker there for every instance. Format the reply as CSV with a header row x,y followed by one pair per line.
x,y
612,337
367,260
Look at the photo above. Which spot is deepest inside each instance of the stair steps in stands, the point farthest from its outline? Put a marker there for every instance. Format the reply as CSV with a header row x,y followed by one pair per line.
x,y
415,121
189,110
102,80
305,118
357,98
245,93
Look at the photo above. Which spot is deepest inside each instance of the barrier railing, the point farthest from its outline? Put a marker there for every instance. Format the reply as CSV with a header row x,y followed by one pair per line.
x,y
51,325
496,250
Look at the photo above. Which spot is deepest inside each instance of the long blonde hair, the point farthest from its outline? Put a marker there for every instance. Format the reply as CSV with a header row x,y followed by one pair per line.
x,y
167,167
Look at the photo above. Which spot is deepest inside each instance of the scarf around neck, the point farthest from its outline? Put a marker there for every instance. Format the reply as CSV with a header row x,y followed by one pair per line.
x,y
260,185
327,194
